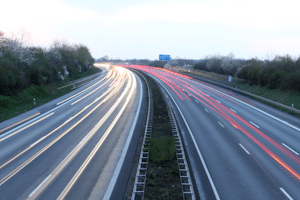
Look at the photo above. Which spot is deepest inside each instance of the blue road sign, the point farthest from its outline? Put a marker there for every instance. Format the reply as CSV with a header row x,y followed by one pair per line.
x,y
164,57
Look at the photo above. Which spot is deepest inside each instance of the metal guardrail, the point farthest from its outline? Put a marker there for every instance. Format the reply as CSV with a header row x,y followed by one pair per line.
x,y
246,93
140,178
185,176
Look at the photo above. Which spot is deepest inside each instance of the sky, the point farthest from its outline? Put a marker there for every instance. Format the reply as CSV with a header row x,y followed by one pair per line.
x,y
135,29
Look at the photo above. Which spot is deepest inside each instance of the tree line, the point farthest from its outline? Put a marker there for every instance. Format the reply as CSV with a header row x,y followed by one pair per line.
x,y
22,66
282,72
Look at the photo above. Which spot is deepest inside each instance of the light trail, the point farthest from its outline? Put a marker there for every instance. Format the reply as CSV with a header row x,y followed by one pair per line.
x,y
8,136
174,83
16,170
19,122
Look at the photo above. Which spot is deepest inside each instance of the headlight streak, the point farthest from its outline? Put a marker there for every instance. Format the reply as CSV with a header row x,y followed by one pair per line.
x,y
225,113
19,122
26,127
7,177
80,92
77,149
90,93
72,182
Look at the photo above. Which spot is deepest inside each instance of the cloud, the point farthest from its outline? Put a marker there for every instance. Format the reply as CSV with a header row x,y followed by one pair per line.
x,y
40,17
254,13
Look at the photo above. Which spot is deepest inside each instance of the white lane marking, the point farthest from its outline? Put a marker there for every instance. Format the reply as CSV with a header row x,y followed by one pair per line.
x,y
40,185
195,143
189,95
232,110
244,148
218,101
37,141
286,194
284,122
292,150
254,124
221,124
196,101
207,95
206,110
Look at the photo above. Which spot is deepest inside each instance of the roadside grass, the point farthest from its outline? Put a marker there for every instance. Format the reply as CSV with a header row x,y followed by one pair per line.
x,y
286,97
163,180
11,106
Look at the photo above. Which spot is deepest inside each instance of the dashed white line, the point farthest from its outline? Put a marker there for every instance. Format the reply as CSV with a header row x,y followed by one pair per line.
x,y
218,101
189,95
206,110
286,194
244,149
232,110
221,124
292,150
40,185
196,101
254,124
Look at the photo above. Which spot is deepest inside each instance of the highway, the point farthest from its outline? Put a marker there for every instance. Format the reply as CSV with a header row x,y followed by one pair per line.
x,y
238,148
76,146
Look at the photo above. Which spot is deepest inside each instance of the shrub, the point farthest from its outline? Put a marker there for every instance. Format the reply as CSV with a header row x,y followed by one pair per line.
x,y
201,66
291,81
274,79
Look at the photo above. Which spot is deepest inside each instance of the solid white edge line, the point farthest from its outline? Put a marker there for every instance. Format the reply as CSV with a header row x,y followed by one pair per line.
x,y
197,148
292,150
254,124
286,123
286,194
40,185
244,149
113,181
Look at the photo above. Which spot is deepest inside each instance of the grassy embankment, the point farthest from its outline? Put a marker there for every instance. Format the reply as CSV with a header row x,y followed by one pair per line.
x,y
11,106
163,180
287,97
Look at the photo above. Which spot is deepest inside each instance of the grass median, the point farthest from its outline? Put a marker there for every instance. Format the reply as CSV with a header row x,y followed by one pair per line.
x,y
163,180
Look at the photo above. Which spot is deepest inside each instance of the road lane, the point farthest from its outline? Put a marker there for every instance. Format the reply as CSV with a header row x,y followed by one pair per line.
x,y
239,144
43,151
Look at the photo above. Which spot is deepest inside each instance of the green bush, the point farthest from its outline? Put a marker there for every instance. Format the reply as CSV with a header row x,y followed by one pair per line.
x,y
291,81
274,79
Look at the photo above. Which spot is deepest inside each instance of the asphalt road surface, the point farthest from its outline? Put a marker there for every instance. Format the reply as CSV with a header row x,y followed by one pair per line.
x,y
238,148
75,147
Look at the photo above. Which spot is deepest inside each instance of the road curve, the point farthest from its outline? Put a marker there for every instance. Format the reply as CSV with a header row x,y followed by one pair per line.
x,y
77,147
238,148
